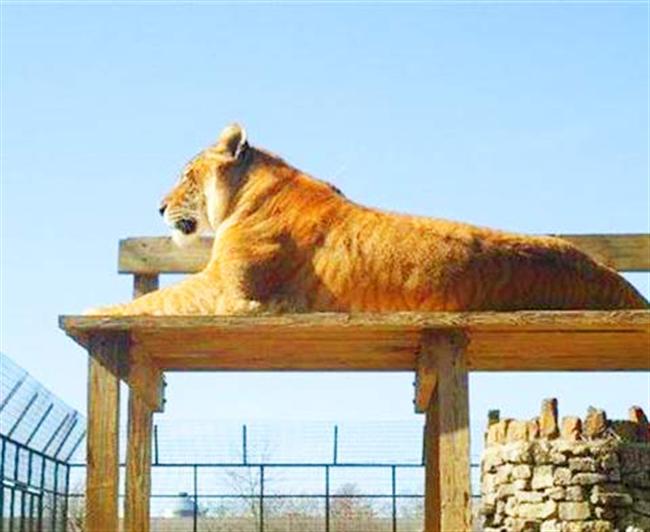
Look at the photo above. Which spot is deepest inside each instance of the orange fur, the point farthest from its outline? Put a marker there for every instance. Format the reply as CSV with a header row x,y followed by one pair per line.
x,y
287,242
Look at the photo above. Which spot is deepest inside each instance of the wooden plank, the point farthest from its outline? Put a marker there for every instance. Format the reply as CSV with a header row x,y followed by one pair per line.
x,y
102,472
623,252
143,283
138,466
526,341
151,255
448,495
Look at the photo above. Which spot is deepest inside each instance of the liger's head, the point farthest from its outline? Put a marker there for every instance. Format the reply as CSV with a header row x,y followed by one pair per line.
x,y
201,199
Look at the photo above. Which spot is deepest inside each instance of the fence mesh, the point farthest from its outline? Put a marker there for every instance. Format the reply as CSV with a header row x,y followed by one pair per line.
x,y
215,476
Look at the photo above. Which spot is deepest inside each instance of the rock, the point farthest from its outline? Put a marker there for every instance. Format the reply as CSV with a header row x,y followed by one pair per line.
x,y
548,419
610,461
643,429
517,453
595,424
511,507
574,511
625,430
505,490
490,461
552,525
638,480
586,479
503,474
604,513
582,465
571,428
562,476
488,504
517,431
529,496
575,494
521,484
493,417
559,459
642,507
611,496
488,482
557,493
572,448
542,477
533,429
536,511
541,452
522,472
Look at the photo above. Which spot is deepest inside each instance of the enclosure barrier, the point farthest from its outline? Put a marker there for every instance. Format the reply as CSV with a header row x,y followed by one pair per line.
x,y
441,348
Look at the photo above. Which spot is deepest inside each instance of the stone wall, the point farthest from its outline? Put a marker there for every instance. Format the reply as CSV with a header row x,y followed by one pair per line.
x,y
578,475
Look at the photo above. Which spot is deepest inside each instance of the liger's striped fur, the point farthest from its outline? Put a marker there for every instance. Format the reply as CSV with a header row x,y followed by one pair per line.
x,y
287,242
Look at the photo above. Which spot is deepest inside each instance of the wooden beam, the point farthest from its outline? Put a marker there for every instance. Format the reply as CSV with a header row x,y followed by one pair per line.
x,y
102,473
425,381
623,252
138,466
145,379
447,475
501,341
152,255
143,283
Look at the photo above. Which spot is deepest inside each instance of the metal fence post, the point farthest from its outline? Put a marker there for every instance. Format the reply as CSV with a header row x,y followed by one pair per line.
x,y
261,498
327,498
2,489
196,500
155,444
336,443
393,481
244,443
67,494
54,494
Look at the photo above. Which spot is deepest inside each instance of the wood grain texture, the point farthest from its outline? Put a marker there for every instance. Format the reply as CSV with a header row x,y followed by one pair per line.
x,y
138,466
102,473
145,379
143,283
152,255
506,341
447,475
425,380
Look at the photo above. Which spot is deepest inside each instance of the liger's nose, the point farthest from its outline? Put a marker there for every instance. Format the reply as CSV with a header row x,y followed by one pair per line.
x,y
162,209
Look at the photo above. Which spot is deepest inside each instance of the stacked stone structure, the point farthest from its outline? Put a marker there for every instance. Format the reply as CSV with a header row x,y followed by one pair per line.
x,y
575,475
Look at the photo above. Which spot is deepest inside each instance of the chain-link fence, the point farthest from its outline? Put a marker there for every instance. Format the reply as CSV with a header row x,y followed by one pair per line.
x,y
39,435
215,476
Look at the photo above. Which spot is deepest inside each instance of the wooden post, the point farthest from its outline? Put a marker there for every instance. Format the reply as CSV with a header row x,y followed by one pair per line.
x,y
146,390
138,465
102,474
447,451
144,283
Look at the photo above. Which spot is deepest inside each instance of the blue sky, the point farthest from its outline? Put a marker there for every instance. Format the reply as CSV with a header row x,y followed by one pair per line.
x,y
530,117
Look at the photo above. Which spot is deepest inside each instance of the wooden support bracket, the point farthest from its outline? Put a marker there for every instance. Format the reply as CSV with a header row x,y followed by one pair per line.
x,y
146,380
447,456
425,380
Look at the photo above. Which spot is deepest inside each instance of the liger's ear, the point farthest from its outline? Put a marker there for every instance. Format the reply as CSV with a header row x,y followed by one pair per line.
x,y
232,141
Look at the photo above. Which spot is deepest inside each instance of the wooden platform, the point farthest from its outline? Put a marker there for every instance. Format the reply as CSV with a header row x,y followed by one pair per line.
x,y
498,341
440,348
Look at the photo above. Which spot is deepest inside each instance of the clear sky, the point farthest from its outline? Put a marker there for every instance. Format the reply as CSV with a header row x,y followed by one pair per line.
x,y
523,116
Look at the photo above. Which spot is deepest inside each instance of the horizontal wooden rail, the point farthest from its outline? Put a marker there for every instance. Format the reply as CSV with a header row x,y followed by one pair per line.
x,y
152,255
498,341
